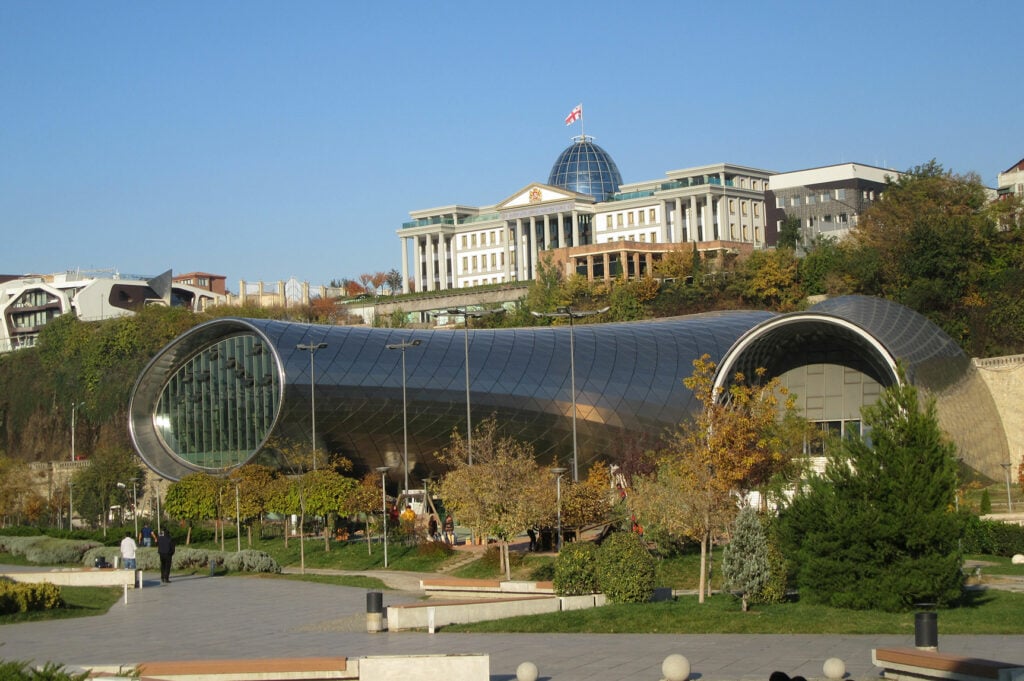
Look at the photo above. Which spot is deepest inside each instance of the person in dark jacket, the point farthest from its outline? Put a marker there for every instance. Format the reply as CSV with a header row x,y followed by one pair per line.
x,y
165,547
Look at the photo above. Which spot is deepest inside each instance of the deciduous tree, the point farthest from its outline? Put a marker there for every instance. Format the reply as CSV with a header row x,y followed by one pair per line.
x,y
192,499
503,493
734,444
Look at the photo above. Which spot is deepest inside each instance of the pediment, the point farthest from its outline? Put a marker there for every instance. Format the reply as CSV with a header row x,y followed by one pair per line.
x,y
537,193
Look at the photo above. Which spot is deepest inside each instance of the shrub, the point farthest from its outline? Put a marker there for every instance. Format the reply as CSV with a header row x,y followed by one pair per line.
x,y
434,549
992,537
625,570
774,590
18,597
46,551
545,572
986,502
251,561
576,569
20,671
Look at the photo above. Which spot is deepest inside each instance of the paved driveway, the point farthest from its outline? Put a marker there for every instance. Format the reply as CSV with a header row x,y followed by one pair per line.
x,y
229,617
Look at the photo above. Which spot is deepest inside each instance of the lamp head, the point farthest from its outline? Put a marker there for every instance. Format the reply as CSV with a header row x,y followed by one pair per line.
x,y
122,485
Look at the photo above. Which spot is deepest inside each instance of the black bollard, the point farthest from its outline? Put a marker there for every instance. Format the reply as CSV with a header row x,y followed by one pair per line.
x,y
374,612
926,630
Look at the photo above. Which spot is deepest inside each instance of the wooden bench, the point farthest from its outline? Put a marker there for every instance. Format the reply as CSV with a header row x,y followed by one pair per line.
x,y
318,668
911,664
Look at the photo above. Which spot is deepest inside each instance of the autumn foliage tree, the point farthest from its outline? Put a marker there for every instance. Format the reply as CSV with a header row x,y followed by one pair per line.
x,y
736,443
192,499
503,493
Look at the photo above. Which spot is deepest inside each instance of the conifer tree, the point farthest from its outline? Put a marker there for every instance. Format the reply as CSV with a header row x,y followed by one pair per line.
x,y
878,530
745,561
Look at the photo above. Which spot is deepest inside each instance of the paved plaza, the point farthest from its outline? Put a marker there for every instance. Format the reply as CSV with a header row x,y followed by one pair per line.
x,y
200,617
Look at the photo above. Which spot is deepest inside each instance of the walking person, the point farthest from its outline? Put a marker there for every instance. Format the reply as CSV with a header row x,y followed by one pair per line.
x,y
165,547
449,530
128,547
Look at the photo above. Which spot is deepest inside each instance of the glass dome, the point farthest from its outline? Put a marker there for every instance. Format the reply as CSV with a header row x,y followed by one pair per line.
x,y
586,168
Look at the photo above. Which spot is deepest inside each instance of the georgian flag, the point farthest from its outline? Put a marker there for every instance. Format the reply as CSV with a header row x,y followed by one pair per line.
x,y
574,115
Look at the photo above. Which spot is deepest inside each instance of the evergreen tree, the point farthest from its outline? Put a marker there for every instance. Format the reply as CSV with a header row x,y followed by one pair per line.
x,y
745,561
877,531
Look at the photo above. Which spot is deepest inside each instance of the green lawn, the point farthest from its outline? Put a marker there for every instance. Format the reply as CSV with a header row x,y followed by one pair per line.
x,y
984,612
351,555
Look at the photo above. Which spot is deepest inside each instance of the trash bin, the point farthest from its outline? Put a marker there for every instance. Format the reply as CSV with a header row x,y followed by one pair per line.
x,y
926,630
374,612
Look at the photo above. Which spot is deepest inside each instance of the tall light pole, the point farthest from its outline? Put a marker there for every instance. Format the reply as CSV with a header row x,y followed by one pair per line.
x,y
558,472
403,346
384,508
135,503
1009,500
238,521
74,411
572,314
466,313
312,348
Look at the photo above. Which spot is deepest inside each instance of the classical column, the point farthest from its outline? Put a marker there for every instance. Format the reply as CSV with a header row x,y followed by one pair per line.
x,y
533,248
590,268
636,265
506,245
649,260
548,241
666,232
607,267
693,222
405,264
442,264
709,217
679,234
575,229
624,265
430,262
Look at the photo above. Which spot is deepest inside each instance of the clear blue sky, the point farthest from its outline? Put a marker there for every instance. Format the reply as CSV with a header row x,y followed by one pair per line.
x,y
265,140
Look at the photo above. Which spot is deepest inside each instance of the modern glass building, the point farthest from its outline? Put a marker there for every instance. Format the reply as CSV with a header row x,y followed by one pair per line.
x,y
217,395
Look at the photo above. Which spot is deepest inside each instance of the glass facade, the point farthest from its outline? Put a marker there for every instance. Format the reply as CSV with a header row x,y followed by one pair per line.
x,y
586,168
220,404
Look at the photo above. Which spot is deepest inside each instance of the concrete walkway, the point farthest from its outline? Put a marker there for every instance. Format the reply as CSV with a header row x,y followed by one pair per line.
x,y
201,617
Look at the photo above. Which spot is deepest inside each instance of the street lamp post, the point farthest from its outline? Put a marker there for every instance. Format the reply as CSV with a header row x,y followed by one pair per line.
x,y
558,472
403,346
135,502
312,348
1009,499
238,521
75,406
572,314
466,313
384,508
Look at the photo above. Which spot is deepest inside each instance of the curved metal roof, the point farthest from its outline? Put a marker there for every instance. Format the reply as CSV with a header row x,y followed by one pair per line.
x,y
628,383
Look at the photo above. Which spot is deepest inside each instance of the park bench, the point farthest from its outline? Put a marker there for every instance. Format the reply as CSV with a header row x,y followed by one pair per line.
x,y
912,664
309,668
